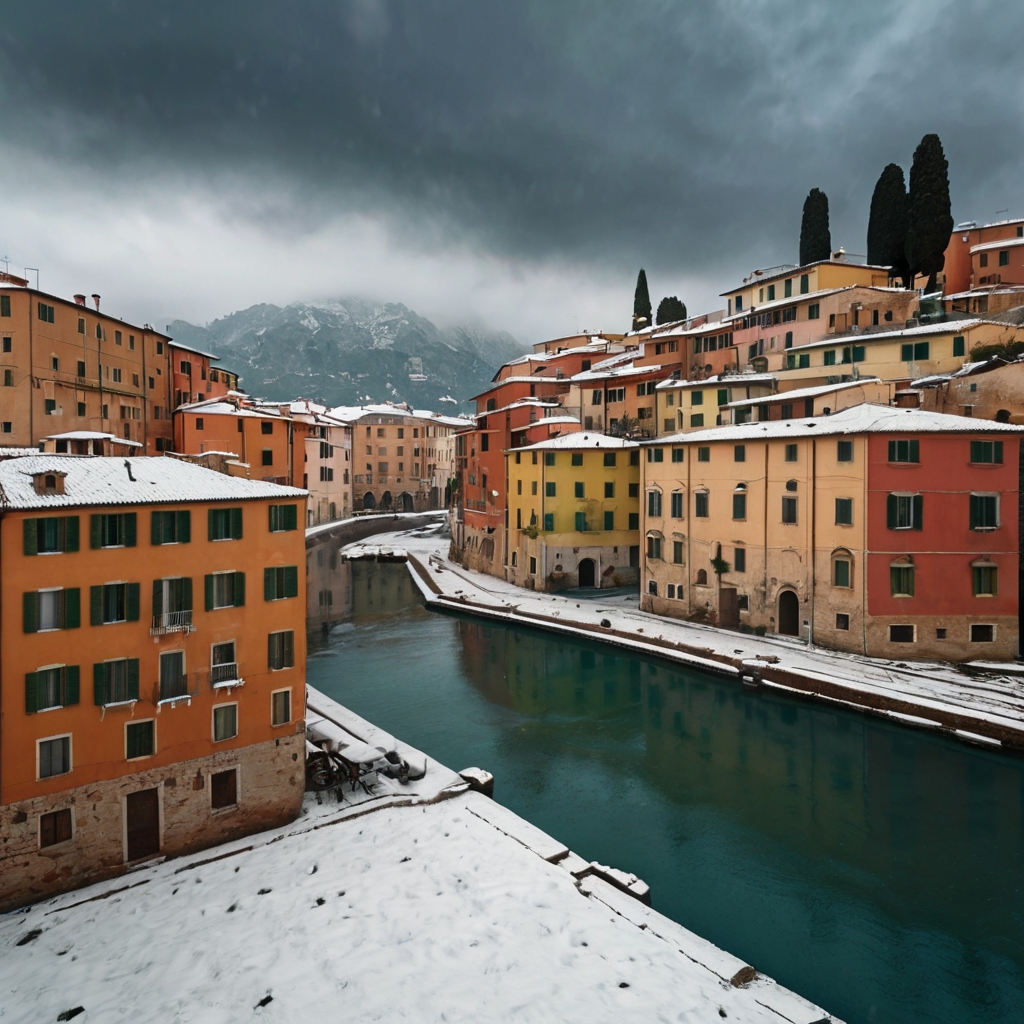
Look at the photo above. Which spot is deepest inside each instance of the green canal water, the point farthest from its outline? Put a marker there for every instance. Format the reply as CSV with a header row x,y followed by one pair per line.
x,y
873,869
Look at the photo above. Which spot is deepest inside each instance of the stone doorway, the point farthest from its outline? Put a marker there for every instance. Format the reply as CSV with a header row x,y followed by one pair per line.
x,y
587,571
789,613
142,815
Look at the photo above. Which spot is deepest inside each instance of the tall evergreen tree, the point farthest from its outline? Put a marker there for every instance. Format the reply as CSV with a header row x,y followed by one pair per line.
x,y
641,303
930,221
670,309
887,223
815,238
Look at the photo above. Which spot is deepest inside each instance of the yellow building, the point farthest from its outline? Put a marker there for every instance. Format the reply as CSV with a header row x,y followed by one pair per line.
x,y
684,405
574,512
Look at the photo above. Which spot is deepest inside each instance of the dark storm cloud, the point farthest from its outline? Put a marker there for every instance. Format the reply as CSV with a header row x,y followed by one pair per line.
x,y
682,135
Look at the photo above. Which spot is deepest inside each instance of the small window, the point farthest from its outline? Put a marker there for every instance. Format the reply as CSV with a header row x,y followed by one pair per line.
x,y
655,454
905,512
697,398
281,650
55,827
984,511
697,420
844,511
653,547
702,577
700,504
789,510
677,553
1004,257
225,722
283,518
677,504
652,588
901,634
280,707
670,590
549,522
609,459
985,580
677,454
813,311
791,453
703,454
844,451
739,453
830,358
140,739
841,574
549,489
45,313
842,621
578,489
654,503
901,579
739,559
224,789
581,522
224,524
982,634
267,457
609,520
54,757
959,348
609,489
5,306
904,451
739,506
266,427
634,520
576,460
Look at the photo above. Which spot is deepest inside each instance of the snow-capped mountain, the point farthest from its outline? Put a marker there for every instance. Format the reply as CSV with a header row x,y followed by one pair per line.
x,y
348,351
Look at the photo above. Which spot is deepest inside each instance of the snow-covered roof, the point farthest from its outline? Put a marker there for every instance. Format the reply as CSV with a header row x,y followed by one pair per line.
x,y
105,481
550,419
718,380
218,407
91,435
857,419
13,452
193,349
986,290
922,330
1003,243
761,307
632,370
579,440
821,389
788,270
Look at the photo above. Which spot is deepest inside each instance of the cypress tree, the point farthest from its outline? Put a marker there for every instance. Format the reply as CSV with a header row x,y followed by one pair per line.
x,y
930,221
815,238
641,303
887,224
670,309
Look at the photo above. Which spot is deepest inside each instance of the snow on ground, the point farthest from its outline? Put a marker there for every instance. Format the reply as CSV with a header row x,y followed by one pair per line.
x,y
451,910
987,701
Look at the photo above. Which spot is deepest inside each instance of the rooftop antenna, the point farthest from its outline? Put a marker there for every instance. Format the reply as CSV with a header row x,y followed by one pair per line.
x,y
6,259
36,269
1007,210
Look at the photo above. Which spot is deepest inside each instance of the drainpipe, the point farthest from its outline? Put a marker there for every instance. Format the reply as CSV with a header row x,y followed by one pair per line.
x,y
814,521
31,368
145,399
764,554
864,548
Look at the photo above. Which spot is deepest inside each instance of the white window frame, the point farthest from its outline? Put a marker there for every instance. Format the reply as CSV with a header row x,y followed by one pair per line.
x,y
291,717
215,574
139,721
229,683
39,609
71,755
213,721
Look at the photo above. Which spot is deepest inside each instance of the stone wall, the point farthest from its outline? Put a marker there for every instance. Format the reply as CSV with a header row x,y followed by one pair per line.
x,y
271,781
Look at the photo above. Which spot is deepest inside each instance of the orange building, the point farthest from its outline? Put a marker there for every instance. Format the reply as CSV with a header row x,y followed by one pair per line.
x,y
147,705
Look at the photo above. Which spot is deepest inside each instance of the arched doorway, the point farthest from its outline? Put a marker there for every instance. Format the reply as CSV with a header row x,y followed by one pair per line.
x,y
369,501
789,613
385,500
587,572
405,502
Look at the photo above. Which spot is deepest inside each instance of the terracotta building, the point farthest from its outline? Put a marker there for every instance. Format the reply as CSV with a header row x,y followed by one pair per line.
x,y
889,532
150,705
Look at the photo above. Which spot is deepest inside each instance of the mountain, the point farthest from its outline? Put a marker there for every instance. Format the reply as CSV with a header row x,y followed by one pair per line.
x,y
348,352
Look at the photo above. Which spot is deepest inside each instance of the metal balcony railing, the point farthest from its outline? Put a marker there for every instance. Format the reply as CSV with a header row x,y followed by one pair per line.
x,y
225,675
172,622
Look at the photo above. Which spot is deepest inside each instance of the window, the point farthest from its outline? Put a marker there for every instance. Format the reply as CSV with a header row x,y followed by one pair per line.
x,y
485,443
830,358
50,535
786,411
677,552
844,451
739,559
224,524
739,506
905,511
54,756
112,531
1004,257
54,827
984,512
53,687
983,259
5,307
281,649
859,354
987,452
697,398
789,510
54,608
267,457
677,504
702,578
655,454
8,378
634,520
844,511
549,489
901,634
533,565
697,420
115,681
117,380
654,503
225,722
224,590
842,621
841,574
652,588
805,281
901,578
533,486
670,590
549,521
173,681
114,602
171,527
280,582
958,345
576,459
596,397
791,453
609,458
653,546
904,451
700,504
223,663
139,739
549,458
45,313
609,489
813,311
985,579
915,352
578,489
581,522
50,406
703,454
280,707
739,453
982,634
609,520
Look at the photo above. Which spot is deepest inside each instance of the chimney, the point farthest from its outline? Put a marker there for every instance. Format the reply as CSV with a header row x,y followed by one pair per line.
x,y
79,299
96,299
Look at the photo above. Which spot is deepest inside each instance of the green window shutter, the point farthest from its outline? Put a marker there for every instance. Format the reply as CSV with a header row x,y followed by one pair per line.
x,y
208,592
30,607
71,533
236,523
997,452
289,649
291,581
96,606
918,511
184,525
268,584
31,693
158,598
129,529
239,589
907,353
975,511
31,538
95,531
609,520
186,593
211,519
156,528
133,678
581,521
99,684
133,602
958,345
549,521
72,608
915,451
71,685
275,517
890,511
892,451
291,517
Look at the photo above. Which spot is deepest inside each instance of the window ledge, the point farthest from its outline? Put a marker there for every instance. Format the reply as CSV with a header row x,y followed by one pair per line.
x,y
228,684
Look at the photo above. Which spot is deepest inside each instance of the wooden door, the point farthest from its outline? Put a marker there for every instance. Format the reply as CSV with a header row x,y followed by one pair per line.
x,y
142,811
728,608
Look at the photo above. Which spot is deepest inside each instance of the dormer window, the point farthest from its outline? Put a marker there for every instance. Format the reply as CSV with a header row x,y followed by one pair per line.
x,y
48,483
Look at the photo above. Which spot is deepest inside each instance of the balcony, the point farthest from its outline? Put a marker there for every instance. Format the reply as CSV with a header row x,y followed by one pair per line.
x,y
174,689
172,622
225,676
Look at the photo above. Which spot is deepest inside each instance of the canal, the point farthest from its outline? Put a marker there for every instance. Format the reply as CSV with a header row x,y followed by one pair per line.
x,y
873,869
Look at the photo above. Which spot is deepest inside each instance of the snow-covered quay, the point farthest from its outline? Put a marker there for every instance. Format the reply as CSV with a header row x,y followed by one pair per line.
x,y
425,902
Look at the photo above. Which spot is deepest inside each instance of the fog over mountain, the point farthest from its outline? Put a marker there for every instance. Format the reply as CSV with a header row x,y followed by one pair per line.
x,y
350,351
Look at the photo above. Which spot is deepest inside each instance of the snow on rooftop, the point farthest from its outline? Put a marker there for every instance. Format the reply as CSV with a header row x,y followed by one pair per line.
x,y
91,435
719,379
105,481
858,419
632,370
821,389
1003,243
947,327
580,439
189,348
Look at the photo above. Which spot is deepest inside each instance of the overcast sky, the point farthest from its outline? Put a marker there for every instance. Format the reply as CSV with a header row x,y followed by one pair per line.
x,y
511,162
